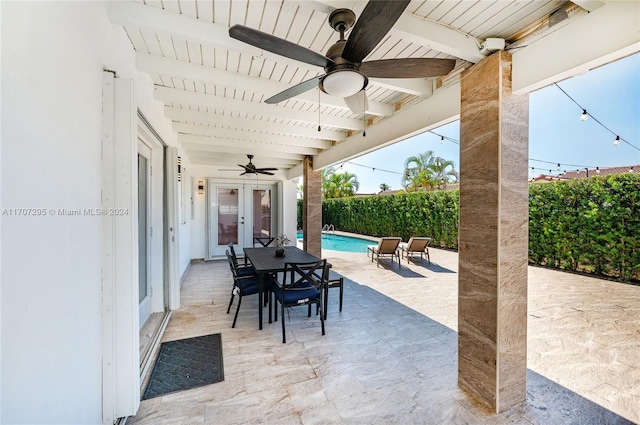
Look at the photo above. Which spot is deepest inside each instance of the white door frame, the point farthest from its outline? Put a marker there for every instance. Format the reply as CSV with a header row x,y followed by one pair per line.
x,y
245,213
172,274
144,306
213,249
157,213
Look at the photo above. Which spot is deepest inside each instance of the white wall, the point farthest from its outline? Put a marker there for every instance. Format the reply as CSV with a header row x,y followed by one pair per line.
x,y
53,54
198,225
287,221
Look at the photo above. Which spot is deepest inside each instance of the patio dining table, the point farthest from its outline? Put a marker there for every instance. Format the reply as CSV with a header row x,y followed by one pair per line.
x,y
265,262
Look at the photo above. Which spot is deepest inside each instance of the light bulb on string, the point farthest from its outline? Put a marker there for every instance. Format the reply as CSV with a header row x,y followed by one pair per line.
x,y
597,170
558,167
441,140
584,115
617,141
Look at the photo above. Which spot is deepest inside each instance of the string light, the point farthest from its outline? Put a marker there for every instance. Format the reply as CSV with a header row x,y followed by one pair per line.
x,y
558,167
441,140
584,115
597,170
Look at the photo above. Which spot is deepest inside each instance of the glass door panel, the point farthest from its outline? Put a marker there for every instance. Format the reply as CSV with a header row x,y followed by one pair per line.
x,y
261,213
227,216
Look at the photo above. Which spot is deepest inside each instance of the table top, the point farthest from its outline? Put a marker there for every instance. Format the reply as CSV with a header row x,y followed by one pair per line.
x,y
264,259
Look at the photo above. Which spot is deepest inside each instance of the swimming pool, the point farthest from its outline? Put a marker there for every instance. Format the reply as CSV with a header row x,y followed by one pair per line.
x,y
343,243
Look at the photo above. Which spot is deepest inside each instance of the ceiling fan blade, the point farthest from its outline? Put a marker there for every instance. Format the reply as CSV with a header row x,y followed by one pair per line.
x,y
264,172
278,45
374,23
266,169
358,103
407,68
295,90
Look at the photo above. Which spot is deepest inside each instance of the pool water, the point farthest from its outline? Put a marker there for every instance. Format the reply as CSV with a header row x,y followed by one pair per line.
x,y
343,243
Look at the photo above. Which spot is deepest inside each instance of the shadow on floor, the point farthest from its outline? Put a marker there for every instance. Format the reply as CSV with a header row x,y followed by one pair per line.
x,y
547,401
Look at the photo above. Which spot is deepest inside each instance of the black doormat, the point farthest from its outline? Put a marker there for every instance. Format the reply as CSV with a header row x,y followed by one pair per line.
x,y
185,364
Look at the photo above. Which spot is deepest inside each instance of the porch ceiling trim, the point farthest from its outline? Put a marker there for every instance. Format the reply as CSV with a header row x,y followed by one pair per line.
x,y
590,39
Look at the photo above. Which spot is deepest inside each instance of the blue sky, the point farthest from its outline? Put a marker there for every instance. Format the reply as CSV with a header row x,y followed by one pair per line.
x,y
610,93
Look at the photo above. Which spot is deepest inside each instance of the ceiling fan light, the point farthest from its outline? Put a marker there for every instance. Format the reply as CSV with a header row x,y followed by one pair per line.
x,y
343,83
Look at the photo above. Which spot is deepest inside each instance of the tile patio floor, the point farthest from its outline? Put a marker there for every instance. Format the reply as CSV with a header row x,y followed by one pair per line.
x,y
390,357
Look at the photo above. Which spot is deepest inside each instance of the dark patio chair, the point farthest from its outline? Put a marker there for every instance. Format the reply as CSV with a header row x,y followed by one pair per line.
x,y
262,241
387,247
242,270
334,280
302,284
416,246
243,286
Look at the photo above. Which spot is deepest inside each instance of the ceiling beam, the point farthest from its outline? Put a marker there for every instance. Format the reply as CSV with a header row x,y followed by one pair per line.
x,y
589,5
247,146
208,118
437,37
281,140
199,31
413,86
416,30
187,28
441,108
241,158
169,95
152,64
590,40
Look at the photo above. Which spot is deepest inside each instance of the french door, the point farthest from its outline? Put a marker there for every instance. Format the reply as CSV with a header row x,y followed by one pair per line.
x,y
237,214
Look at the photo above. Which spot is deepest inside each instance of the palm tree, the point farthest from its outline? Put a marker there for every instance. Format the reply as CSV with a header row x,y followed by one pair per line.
x,y
417,172
426,171
338,185
444,171
384,187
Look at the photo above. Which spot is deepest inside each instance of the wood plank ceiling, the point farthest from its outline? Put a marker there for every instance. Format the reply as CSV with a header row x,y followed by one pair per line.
x,y
213,87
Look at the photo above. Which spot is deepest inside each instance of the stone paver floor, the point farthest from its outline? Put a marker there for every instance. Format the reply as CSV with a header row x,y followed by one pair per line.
x,y
391,355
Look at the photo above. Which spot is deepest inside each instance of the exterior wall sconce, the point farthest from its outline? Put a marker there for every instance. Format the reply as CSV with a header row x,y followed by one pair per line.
x,y
200,187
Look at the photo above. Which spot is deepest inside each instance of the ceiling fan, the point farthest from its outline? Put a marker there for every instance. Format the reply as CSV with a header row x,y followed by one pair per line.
x,y
346,75
250,168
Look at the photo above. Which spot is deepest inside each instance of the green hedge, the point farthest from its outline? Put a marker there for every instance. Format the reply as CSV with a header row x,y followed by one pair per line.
x,y
409,214
588,225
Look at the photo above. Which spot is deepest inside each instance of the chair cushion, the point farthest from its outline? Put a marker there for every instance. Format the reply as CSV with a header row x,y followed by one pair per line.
x,y
292,296
248,286
246,271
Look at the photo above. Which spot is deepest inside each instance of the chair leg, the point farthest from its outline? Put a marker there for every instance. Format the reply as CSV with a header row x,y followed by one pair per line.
x,y
325,301
230,303
237,311
341,292
321,317
275,309
284,334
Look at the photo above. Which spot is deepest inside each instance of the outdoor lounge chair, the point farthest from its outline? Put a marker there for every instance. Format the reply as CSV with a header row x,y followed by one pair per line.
x,y
387,247
416,246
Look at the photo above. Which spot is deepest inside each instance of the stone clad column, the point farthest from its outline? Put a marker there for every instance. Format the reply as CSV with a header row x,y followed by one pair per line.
x,y
312,208
493,244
